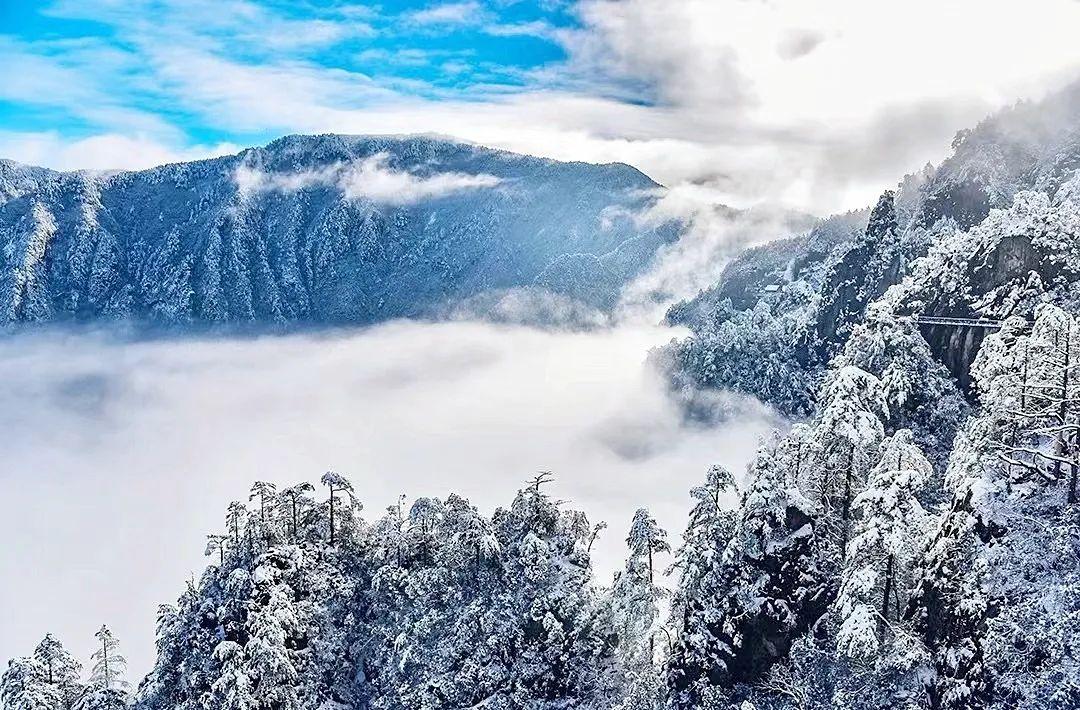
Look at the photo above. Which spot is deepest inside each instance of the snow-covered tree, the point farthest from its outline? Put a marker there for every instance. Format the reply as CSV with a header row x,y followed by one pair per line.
x,y
338,486
292,505
844,440
235,520
215,544
264,492
272,624
60,670
233,688
109,665
24,686
635,598
890,531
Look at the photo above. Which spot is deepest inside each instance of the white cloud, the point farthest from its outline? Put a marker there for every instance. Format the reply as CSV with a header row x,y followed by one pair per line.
x,y
102,152
810,89
451,13
372,179
812,107
251,180
120,457
712,235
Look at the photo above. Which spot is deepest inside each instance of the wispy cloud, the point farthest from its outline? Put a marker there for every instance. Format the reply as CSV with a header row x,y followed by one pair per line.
x,y
102,152
374,180
369,179
449,14
241,23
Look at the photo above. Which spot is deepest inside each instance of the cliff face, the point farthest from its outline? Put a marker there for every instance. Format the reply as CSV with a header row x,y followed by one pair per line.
x,y
324,229
862,274
1008,261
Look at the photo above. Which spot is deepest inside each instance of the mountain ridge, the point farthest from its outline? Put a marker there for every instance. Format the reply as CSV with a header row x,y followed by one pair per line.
x,y
293,137
325,229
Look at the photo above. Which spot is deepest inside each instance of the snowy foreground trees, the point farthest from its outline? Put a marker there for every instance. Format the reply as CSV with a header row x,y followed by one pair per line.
x,y
49,679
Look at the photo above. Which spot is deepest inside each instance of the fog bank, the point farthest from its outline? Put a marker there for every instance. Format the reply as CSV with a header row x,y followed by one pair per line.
x,y
120,456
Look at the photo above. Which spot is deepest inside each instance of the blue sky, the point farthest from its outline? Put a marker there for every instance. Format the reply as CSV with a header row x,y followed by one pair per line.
x,y
816,106
382,52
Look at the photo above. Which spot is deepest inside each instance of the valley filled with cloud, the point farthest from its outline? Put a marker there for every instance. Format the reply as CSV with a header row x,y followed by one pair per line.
x,y
121,453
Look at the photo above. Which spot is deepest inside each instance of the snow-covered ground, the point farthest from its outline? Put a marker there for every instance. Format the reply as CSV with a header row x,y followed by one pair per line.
x,y
120,456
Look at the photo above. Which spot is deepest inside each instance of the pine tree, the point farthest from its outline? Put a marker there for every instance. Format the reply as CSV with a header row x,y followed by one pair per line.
x,y
1043,441
109,665
235,520
24,686
635,598
233,688
337,484
701,644
270,663
293,504
265,493
60,669
216,543
891,529
844,440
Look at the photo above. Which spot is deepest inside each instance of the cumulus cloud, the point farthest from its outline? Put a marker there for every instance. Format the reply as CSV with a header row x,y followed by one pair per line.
x,y
371,178
120,456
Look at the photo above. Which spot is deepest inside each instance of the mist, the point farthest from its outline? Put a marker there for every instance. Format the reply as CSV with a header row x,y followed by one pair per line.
x,y
120,454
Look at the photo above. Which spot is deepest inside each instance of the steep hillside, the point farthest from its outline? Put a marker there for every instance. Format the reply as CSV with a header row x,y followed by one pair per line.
x,y
316,230
775,342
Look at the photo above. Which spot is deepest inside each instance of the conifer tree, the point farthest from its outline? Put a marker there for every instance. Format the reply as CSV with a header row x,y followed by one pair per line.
x,y
264,492
338,485
635,598
109,665
23,686
60,669
890,531
293,504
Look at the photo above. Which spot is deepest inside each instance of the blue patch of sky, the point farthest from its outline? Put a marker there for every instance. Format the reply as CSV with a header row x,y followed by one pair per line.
x,y
470,50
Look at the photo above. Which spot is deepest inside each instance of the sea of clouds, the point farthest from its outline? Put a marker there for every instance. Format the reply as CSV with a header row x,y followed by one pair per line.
x,y
121,454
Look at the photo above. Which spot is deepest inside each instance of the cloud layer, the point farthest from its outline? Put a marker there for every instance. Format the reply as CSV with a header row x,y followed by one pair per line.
x,y
119,457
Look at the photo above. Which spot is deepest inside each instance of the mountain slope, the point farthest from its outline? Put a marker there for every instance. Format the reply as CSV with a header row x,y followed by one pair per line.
x,y
776,344
317,229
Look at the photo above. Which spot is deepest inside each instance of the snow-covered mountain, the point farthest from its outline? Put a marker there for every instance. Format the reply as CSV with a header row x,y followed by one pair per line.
x,y
781,312
317,230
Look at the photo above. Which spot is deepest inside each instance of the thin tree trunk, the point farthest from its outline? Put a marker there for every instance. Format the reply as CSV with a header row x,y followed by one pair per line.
x,y
888,591
295,521
1074,468
845,512
1062,437
331,503
105,660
